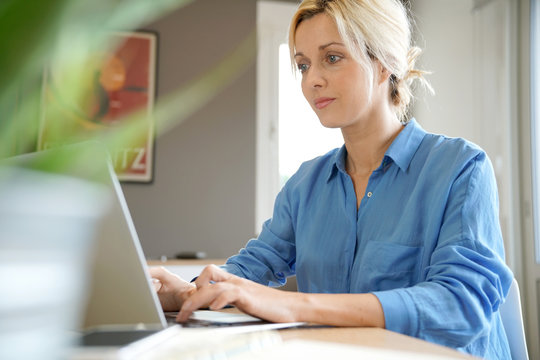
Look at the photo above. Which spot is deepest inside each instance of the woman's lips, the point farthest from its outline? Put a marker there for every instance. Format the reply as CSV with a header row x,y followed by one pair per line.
x,y
321,103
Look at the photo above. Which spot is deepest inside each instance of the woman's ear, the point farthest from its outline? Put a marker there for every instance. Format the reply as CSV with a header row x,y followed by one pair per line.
x,y
382,73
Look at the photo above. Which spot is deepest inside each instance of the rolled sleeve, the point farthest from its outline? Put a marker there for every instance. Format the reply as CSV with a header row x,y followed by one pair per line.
x,y
399,311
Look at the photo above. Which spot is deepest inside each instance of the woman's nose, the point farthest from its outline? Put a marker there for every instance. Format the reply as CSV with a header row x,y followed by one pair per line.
x,y
314,78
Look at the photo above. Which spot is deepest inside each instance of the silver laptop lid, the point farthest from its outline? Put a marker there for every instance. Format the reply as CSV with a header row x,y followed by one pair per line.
x,y
120,291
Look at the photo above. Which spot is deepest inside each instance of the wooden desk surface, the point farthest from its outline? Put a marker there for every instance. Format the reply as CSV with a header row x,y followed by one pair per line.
x,y
372,337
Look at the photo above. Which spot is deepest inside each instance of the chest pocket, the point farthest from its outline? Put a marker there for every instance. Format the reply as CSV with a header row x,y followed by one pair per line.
x,y
385,266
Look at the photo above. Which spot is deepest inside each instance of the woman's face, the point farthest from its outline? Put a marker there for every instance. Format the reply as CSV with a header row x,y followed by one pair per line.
x,y
333,83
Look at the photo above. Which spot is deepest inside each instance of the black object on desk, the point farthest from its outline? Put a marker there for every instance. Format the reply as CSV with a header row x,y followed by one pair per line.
x,y
191,255
114,338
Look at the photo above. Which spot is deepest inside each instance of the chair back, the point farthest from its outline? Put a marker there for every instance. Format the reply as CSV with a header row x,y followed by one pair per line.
x,y
512,319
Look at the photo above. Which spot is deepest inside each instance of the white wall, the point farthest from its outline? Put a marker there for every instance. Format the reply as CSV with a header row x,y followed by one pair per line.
x,y
447,42
471,52
474,53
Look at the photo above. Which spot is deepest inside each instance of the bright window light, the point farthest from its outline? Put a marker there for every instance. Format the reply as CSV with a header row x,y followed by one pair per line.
x,y
301,135
535,112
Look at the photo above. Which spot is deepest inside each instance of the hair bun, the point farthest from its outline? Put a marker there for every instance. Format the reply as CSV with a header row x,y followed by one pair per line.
x,y
400,88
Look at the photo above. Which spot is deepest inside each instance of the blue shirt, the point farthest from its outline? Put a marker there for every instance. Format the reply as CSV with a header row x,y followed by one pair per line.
x,y
425,240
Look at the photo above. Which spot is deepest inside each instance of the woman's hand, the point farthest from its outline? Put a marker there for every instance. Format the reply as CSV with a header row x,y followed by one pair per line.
x,y
217,288
172,290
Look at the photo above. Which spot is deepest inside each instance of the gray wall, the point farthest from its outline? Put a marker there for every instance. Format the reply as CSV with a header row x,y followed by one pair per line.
x,y
203,194
448,54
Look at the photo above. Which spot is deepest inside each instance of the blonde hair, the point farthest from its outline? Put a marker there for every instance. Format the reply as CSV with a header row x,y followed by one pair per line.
x,y
372,30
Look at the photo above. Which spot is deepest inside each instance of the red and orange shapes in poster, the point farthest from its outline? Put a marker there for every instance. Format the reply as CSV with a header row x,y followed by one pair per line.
x,y
119,84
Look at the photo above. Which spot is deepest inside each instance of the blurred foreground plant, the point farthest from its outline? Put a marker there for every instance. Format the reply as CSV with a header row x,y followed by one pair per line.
x,y
64,37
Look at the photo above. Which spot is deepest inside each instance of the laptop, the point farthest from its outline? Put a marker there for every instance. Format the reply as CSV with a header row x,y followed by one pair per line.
x,y
122,306
120,290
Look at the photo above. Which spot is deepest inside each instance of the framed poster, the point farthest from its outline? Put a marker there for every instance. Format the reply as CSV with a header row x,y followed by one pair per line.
x,y
119,85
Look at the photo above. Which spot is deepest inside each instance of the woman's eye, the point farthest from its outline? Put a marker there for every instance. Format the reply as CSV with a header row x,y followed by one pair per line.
x,y
303,67
332,59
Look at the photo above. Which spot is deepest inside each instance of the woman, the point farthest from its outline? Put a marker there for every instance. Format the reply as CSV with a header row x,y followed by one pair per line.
x,y
397,229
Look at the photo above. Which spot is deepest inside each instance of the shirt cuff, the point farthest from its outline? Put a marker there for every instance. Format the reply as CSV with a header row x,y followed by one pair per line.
x,y
398,311
232,269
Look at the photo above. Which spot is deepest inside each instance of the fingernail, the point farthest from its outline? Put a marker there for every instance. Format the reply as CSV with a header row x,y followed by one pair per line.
x,y
157,284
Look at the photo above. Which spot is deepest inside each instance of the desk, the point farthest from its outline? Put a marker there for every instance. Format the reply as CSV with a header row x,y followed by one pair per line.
x,y
371,337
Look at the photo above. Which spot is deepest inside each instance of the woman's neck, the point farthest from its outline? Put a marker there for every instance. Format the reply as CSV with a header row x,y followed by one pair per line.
x,y
367,143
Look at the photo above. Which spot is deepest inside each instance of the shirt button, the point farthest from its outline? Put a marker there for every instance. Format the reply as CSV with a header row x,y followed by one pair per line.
x,y
369,194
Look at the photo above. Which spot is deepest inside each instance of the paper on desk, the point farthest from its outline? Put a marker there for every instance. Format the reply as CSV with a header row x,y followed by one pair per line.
x,y
240,323
222,317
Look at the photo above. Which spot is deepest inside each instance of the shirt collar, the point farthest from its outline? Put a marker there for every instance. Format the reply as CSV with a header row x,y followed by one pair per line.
x,y
405,145
401,151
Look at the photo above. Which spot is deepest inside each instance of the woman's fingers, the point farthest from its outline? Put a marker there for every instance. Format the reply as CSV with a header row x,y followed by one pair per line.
x,y
157,284
223,299
211,274
217,289
171,288
215,295
157,271
163,275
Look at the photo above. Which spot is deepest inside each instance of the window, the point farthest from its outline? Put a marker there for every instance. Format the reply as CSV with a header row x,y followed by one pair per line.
x,y
301,135
288,132
535,116
530,138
